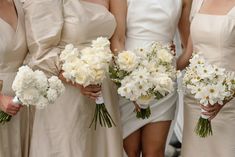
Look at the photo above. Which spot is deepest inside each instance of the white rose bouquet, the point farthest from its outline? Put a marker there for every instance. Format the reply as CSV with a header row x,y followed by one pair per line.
x,y
33,88
90,67
210,85
144,75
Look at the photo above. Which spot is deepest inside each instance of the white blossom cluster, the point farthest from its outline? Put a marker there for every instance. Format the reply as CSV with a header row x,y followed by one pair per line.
x,y
88,66
33,87
208,83
145,74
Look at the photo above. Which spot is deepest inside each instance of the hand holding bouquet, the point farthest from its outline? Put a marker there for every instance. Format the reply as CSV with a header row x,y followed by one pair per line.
x,y
210,85
33,88
89,67
144,76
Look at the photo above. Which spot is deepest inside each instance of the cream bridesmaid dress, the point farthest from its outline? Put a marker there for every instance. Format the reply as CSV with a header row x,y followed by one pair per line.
x,y
149,21
62,129
214,36
14,135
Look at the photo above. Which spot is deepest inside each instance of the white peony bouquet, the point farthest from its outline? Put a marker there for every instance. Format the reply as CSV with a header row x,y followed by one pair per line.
x,y
144,75
90,66
210,85
33,88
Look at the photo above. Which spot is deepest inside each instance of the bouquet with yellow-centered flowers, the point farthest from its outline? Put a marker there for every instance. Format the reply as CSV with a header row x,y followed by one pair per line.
x,y
144,75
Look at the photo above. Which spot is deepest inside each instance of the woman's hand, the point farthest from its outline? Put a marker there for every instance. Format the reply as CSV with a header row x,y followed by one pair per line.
x,y
173,48
91,91
213,110
7,106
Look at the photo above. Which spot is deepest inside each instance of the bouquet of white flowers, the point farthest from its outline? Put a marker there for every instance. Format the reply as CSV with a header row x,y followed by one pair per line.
x,y
90,67
144,75
210,85
33,88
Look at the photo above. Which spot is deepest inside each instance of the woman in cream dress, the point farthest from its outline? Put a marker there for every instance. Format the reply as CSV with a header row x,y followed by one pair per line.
x,y
62,129
149,21
213,34
13,49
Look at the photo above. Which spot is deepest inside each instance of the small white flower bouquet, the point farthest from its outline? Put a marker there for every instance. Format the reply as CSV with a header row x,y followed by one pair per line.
x,y
144,75
33,88
210,85
90,67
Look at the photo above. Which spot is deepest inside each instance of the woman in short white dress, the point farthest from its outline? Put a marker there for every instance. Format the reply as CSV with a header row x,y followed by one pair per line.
x,y
149,21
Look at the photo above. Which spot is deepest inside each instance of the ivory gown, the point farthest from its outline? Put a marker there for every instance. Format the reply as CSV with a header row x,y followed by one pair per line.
x,y
14,135
62,129
214,36
149,21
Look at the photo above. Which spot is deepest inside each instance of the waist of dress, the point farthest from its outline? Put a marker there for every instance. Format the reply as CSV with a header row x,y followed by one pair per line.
x,y
149,39
137,42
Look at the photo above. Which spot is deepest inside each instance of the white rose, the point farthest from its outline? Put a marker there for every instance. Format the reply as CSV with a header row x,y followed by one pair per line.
x,y
82,76
164,85
101,42
144,100
164,55
127,61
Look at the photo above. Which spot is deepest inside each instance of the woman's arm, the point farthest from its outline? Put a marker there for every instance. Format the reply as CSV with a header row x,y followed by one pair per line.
x,y
183,59
184,29
184,23
119,9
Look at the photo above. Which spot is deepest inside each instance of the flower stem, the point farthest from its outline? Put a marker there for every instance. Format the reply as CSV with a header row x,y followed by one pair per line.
x,y
203,128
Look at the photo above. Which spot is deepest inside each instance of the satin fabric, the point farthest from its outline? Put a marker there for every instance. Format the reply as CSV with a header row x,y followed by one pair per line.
x,y
149,21
14,135
62,129
214,36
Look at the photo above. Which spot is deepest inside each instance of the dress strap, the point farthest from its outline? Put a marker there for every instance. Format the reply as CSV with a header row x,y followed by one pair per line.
x,y
232,12
196,5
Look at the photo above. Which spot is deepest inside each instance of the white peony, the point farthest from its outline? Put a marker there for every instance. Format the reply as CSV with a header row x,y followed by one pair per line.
x,y
165,56
101,42
127,61
145,100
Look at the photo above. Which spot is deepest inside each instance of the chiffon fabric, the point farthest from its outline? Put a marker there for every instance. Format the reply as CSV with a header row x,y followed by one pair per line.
x,y
149,21
62,129
14,135
214,37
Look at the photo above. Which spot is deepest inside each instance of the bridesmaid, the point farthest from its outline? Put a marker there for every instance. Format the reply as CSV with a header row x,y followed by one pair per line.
x,y
13,49
149,21
63,129
213,34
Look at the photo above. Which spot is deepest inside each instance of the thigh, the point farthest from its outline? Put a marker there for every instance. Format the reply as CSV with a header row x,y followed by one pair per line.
x,y
154,136
132,144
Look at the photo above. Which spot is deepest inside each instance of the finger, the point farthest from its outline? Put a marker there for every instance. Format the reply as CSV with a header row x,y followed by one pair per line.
x,y
90,94
208,113
93,98
208,108
93,89
14,106
95,94
95,86
212,117
12,113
